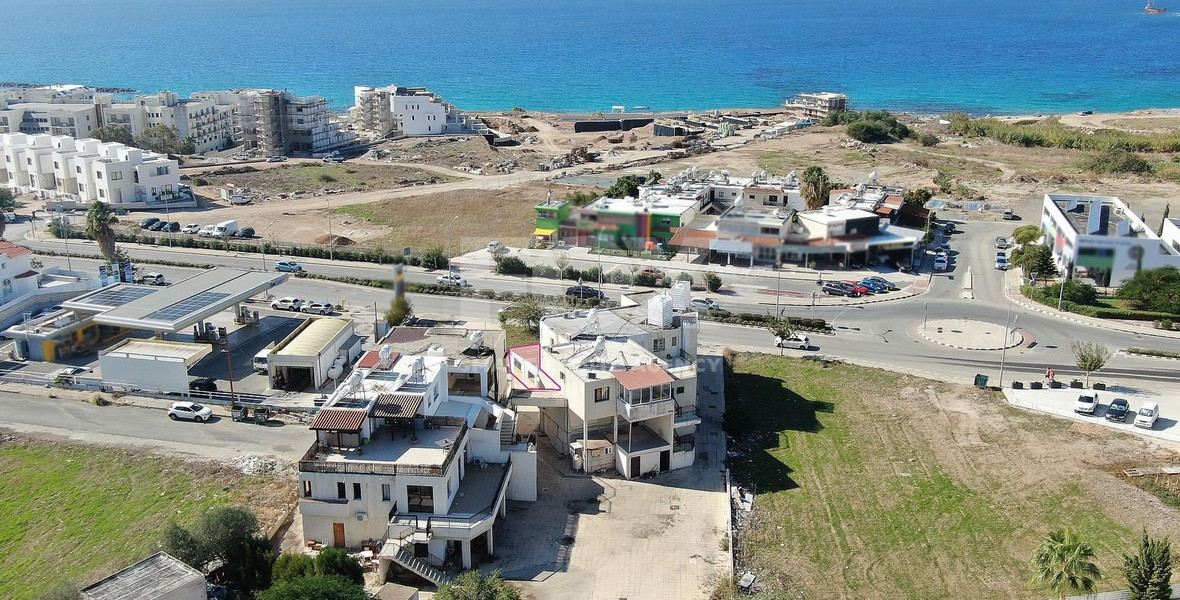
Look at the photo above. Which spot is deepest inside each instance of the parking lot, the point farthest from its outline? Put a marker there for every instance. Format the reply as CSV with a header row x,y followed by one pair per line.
x,y
1061,403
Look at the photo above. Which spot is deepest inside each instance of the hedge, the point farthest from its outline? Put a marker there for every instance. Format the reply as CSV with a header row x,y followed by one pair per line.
x,y
760,320
1098,312
1150,352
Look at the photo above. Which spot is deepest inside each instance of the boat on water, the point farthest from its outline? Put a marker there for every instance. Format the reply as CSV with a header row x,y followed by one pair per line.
x,y
641,107
1151,9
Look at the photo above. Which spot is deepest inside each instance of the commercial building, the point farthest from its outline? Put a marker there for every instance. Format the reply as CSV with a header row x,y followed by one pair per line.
x,y
395,110
1101,239
816,105
208,124
406,468
315,352
157,577
616,389
63,168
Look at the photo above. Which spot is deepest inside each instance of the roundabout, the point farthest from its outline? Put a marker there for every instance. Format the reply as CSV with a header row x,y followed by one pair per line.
x,y
969,334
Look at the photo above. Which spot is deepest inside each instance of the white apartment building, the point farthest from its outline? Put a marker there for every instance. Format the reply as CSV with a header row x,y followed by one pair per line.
x,y
617,389
409,470
817,105
75,120
85,170
209,124
1101,239
410,111
48,94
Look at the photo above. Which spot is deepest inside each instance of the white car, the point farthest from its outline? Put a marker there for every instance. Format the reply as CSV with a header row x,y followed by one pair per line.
x,y
1001,242
795,340
319,308
452,279
242,156
704,304
288,303
1086,404
67,372
1147,415
940,263
206,231
276,159
190,411
1001,262
190,228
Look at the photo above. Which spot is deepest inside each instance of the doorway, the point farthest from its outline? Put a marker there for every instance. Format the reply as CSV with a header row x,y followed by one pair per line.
x,y
338,535
666,460
634,471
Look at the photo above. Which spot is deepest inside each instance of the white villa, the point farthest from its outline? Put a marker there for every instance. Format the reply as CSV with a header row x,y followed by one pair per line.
x,y
409,111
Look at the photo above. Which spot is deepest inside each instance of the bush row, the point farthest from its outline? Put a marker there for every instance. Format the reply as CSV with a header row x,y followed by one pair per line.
x,y
458,292
1050,133
761,320
1150,352
1098,312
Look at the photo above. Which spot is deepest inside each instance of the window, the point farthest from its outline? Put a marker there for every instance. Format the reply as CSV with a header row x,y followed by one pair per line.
x,y
79,169
56,165
81,187
673,340
102,193
340,490
680,389
98,174
657,345
307,489
116,176
420,498
385,492
448,488
666,221
162,170
772,199
602,394
356,491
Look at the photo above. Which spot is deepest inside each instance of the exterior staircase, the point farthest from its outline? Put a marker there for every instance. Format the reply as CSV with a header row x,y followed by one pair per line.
x,y
424,569
507,430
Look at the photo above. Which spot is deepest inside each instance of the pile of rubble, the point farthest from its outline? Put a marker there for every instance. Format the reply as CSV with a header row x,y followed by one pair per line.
x,y
577,156
257,464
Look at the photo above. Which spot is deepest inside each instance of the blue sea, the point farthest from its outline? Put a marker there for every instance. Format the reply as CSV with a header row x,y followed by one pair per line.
x,y
997,56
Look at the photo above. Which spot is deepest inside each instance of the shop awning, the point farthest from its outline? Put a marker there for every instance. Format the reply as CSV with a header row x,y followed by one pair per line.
x,y
545,231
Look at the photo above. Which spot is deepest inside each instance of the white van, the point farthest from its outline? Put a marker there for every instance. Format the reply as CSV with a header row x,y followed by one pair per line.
x,y
206,231
1147,415
225,229
262,360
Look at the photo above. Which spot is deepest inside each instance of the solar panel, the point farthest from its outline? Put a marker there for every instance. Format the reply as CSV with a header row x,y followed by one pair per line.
x,y
117,297
187,306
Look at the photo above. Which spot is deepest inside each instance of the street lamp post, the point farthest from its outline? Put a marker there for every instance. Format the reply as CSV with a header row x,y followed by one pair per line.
x,y
1061,292
63,226
451,239
229,366
925,310
1004,352
264,230
331,240
778,288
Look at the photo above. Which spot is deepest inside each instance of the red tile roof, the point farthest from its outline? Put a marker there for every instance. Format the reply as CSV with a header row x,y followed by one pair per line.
x,y
530,354
692,238
338,419
28,273
642,377
397,406
12,250
369,360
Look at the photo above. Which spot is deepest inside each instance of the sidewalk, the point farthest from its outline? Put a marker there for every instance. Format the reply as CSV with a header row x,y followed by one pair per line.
x,y
1012,281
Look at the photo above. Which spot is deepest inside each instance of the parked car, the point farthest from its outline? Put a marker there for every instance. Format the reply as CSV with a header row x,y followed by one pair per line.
x,y
318,308
1008,214
451,279
838,288
1086,404
206,231
583,292
172,226
276,159
857,287
881,281
151,278
191,228
287,303
242,156
246,232
1085,112
287,266
1001,242
940,263
873,286
1117,411
157,226
704,304
203,384
239,200
148,222
190,411
795,340
652,272
1001,262
1148,413
66,373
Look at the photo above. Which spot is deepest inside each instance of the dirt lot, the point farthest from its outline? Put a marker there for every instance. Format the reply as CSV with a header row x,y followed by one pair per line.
x,y
307,177
928,490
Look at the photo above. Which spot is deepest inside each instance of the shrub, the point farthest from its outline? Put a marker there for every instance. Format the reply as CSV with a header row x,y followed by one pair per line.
x,y
1153,352
944,182
712,282
684,276
928,139
326,178
200,181
435,258
511,265
869,132
1116,161
1165,324
487,294
1075,291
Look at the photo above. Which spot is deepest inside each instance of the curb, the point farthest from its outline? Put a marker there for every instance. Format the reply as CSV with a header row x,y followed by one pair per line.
x,y
933,341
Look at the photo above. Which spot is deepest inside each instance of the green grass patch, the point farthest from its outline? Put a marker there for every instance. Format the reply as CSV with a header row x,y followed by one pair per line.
x,y
366,212
781,163
1050,133
73,512
515,335
861,494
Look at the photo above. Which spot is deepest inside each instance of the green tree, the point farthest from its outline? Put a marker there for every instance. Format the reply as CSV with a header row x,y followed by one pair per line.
x,y
399,310
291,566
1149,573
98,226
780,327
180,543
527,312
1036,259
1064,563
1076,291
228,535
712,282
164,139
315,587
113,133
627,185
815,187
334,561
511,265
1153,289
869,132
1090,357
474,585
653,177
562,261
928,139
1026,234
435,258
684,276
580,198
7,199
918,197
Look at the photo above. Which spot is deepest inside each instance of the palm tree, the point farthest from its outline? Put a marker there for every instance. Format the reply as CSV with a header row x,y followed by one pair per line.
x,y
98,226
1064,563
815,187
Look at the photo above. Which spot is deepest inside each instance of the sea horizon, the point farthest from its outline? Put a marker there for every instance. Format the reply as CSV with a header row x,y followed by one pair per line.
x,y
916,56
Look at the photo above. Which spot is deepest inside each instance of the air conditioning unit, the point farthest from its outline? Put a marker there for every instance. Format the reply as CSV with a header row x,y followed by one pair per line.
x,y
362,516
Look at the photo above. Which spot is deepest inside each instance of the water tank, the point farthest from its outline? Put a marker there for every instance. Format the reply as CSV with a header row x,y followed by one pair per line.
x,y
659,311
681,295
385,353
335,371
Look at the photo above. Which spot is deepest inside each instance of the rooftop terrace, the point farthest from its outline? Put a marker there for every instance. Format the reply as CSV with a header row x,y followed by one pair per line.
x,y
391,451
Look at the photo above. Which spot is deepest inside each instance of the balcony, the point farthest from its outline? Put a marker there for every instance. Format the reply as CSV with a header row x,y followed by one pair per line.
x,y
431,455
686,415
645,410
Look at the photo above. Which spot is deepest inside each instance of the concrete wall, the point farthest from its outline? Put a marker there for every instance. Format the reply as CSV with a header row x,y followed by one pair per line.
x,y
148,372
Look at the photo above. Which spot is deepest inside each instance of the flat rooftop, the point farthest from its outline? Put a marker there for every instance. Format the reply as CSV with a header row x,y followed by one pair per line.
x,y
456,342
188,352
312,337
582,358
640,439
616,322
1080,212
478,489
153,577
393,446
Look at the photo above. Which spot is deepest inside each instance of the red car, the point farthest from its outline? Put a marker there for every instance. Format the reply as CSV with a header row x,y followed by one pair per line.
x,y
860,289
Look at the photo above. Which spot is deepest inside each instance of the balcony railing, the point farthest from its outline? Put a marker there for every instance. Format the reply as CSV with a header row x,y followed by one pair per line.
x,y
686,413
645,410
402,525
310,464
